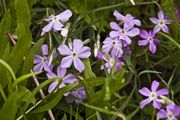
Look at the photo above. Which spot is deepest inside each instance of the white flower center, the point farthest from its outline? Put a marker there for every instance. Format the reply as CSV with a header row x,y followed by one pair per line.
x,y
152,95
161,22
150,39
74,55
170,115
111,62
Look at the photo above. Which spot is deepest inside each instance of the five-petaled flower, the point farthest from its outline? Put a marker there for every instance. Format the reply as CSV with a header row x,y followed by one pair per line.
x,y
171,112
161,23
61,72
129,21
123,34
57,23
73,55
43,62
152,95
148,37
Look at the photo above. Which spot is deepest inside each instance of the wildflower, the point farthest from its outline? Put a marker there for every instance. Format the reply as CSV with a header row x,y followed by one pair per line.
x,y
57,23
61,72
124,33
42,62
171,112
113,45
73,55
148,38
161,23
152,95
77,95
129,21
110,61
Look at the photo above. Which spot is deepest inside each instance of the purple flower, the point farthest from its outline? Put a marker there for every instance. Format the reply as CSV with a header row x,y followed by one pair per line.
x,y
77,95
113,45
61,72
110,61
56,23
42,62
148,38
124,33
171,112
128,20
152,95
73,55
161,23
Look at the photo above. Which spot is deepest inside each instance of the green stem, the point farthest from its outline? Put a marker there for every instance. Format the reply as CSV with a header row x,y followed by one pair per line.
x,y
170,38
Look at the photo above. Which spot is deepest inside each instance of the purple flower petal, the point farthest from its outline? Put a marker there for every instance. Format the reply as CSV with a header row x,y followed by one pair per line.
x,y
137,22
78,64
162,92
38,67
145,91
156,104
44,49
165,29
143,42
47,67
143,103
114,34
84,52
176,110
115,26
162,114
118,15
57,26
133,32
61,71
157,28
64,50
161,15
69,79
167,21
66,62
154,86
37,59
152,47
154,20
52,86
77,45
47,28
127,39
144,34
64,16
51,75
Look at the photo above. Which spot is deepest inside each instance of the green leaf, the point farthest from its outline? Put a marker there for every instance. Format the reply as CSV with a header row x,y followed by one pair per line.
x,y
95,81
88,71
148,71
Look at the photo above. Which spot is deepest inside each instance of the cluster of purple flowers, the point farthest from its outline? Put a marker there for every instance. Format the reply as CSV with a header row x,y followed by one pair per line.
x,y
73,55
157,97
119,39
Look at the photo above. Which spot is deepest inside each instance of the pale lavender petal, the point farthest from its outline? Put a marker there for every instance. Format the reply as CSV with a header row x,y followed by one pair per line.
x,y
37,59
165,29
167,21
108,40
156,41
152,47
47,67
127,39
66,62
64,32
133,32
57,26
69,99
64,50
84,52
48,27
106,48
143,103
77,45
157,28
38,67
118,15
64,16
78,64
69,79
145,91
156,104
115,26
161,15
176,110
154,20
143,42
154,86
144,34
61,71
51,75
52,86
44,49
114,34
137,22
100,55
162,92
162,114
